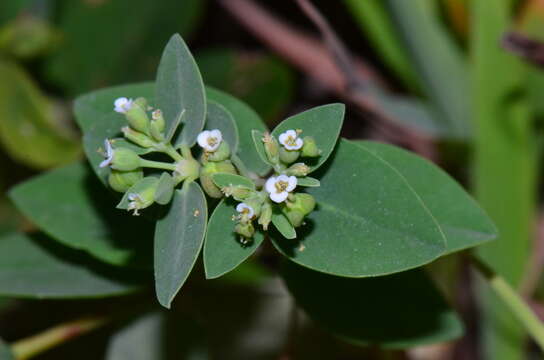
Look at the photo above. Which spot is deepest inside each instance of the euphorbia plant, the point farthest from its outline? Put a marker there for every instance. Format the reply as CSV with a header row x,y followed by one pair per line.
x,y
176,149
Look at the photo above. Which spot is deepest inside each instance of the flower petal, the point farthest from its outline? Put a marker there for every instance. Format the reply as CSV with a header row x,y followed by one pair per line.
x,y
270,184
202,138
298,144
292,183
279,197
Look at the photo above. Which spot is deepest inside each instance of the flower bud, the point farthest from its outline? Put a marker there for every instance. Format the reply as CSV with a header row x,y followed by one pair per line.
x,y
288,156
187,169
121,181
266,216
125,159
295,217
296,210
298,169
157,125
271,148
310,149
137,137
222,152
142,102
144,197
245,229
211,168
137,118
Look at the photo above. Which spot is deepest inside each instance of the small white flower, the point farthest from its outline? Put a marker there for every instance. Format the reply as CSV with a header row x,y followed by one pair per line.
x,y
108,154
134,203
122,105
245,210
210,140
280,186
290,140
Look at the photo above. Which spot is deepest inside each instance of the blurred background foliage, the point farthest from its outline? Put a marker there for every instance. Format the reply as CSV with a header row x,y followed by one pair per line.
x,y
442,78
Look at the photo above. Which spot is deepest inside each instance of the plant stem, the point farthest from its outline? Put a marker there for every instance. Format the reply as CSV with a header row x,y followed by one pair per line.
x,y
240,166
170,151
157,165
513,301
37,344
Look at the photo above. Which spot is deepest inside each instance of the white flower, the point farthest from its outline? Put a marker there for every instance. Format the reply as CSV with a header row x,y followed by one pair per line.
x,y
135,201
210,140
280,186
122,105
290,140
245,210
108,154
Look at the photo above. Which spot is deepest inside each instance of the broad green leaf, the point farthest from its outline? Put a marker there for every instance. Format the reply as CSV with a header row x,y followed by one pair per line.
x,y
438,62
5,352
71,206
258,145
462,220
178,239
396,311
165,189
33,266
261,80
323,123
368,220
246,120
307,181
282,224
28,129
223,180
222,250
179,88
114,42
218,117
96,118
140,186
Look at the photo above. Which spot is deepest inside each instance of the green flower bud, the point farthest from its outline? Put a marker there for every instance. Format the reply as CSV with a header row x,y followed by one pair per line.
x,y
266,215
296,210
187,169
211,168
271,148
310,149
157,125
121,181
137,118
142,102
247,230
143,198
222,153
298,169
288,156
125,159
137,137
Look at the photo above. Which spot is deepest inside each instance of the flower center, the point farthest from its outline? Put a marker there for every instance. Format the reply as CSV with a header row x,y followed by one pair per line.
x,y
291,141
281,186
212,141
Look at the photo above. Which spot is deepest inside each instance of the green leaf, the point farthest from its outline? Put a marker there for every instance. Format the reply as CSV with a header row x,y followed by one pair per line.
x,y
223,180
96,118
366,206
462,220
438,61
283,225
5,352
308,182
396,311
258,144
218,117
28,129
71,206
323,123
165,189
140,186
33,266
246,120
128,36
179,87
178,239
223,251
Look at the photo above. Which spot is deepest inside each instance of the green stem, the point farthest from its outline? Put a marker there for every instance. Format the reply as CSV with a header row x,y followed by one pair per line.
x,y
170,151
157,165
240,166
186,152
37,344
513,301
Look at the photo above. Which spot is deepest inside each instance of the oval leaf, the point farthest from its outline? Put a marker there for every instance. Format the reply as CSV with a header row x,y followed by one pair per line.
x,y
258,145
368,220
33,266
464,223
140,186
370,311
179,88
283,225
246,120
76,210
323,123
223,251
308,182
223,180
165,189
178,240
218,117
